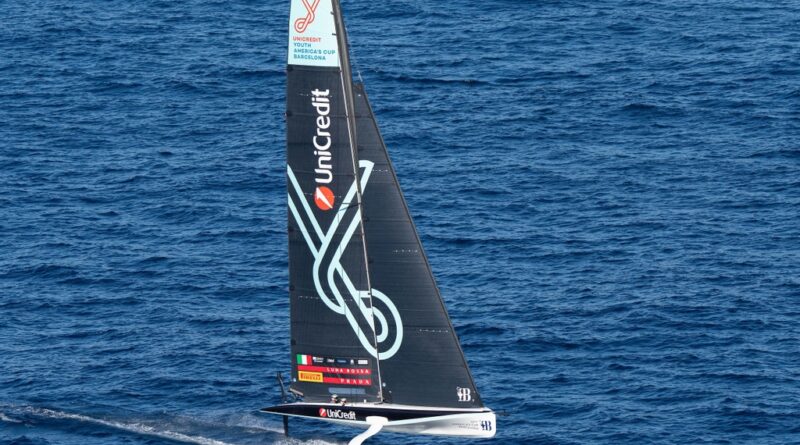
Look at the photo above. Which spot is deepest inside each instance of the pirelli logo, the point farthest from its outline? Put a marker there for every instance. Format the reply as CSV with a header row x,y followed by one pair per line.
x,y
315,377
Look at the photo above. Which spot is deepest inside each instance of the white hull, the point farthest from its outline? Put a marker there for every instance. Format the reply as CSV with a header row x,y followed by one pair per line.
x,y
481,424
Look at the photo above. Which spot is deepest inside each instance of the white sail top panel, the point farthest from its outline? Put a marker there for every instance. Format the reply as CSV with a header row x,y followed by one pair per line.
x,y
312,34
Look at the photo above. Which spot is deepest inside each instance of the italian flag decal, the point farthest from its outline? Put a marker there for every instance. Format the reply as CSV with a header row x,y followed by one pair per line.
x,y
303,359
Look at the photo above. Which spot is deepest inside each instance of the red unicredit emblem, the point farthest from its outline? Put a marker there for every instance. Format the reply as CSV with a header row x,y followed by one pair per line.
x,y
323,198
302,24
323,413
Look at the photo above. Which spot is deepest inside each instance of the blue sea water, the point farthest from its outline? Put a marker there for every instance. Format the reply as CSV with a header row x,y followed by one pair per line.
x,y
609,193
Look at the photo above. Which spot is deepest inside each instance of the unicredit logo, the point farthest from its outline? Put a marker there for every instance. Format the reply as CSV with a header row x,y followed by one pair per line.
x,y
323,198
302,24
322,141
337,414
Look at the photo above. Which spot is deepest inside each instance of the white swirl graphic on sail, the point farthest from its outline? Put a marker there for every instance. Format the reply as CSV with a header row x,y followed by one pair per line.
x,y
334,268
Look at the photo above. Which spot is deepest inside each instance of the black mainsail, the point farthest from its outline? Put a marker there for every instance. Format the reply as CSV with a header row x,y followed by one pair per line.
x,y
428,368
370,334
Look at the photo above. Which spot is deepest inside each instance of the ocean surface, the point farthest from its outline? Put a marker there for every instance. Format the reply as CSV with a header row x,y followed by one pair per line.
x,y
609,193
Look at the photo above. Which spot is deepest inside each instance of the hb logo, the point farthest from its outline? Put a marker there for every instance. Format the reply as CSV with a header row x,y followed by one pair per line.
x,y
464,394
486,425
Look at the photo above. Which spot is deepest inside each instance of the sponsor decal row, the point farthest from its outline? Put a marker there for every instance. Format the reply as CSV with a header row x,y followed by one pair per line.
x,y
334,370
310,360
343,371
318,377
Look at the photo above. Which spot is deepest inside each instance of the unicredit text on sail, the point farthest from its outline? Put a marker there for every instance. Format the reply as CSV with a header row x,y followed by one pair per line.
x,y
322,140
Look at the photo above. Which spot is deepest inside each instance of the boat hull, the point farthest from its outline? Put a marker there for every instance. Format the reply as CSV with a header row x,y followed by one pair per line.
x,y
401,419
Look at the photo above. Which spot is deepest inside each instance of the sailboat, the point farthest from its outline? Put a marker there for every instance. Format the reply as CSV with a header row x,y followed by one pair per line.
x,y
372,344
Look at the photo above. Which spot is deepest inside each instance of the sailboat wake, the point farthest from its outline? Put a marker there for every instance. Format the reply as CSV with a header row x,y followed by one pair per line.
x,y
176,429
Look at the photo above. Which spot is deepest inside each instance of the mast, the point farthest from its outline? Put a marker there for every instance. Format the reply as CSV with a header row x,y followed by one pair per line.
x,y
349,102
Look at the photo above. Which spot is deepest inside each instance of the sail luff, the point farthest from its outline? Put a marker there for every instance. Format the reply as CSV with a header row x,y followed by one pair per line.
x,y
349,100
